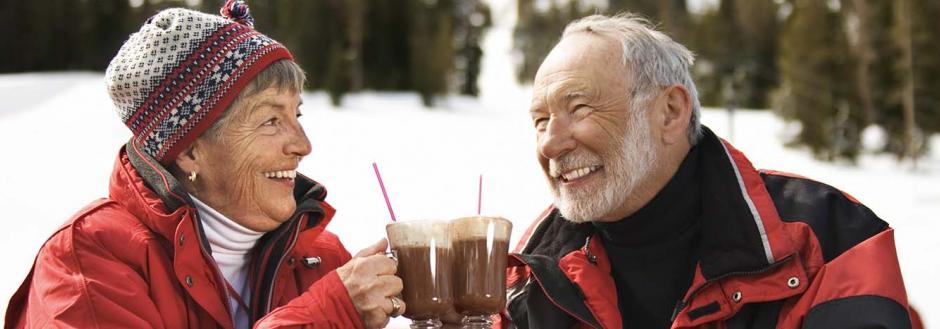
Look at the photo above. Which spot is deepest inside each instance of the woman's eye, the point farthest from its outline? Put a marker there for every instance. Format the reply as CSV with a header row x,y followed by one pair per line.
x,y
270,122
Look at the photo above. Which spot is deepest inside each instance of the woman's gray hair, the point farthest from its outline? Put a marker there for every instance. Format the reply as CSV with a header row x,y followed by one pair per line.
x,y
654,59
283,75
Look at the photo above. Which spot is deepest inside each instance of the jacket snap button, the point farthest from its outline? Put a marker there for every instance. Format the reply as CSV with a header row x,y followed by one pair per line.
x,y
736,296
793,282
189,281
312,262
592,259
290,261
182,238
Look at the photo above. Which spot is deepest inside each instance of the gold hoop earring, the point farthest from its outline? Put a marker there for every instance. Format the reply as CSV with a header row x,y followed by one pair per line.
x,y
192,176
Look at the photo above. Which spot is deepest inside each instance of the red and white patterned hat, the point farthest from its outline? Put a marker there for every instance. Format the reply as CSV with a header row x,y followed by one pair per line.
x,y
174,78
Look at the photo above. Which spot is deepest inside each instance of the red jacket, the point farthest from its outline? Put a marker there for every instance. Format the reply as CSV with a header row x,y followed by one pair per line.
x,y
777,251
139,259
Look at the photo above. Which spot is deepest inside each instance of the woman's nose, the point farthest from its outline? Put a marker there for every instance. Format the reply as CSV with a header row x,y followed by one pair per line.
x,y
298,144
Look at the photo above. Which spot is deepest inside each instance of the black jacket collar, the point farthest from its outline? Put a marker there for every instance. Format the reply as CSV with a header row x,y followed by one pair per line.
x,y
732,239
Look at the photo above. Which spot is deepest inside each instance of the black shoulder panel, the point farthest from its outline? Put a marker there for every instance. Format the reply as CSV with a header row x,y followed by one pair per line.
x,y
874,312
543,315
838,222
561,293
557,236
554,238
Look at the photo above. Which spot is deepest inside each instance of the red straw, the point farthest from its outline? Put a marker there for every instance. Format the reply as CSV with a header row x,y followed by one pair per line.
x,y
480,195
384,194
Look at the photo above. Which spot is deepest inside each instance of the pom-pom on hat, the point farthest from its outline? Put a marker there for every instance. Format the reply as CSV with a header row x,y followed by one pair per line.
x,y
172,79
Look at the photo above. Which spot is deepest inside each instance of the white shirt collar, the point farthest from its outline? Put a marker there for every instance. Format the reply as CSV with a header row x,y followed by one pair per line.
x,y
225,235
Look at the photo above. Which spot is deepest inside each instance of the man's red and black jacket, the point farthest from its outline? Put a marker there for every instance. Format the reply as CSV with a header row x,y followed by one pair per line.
x,y
777,251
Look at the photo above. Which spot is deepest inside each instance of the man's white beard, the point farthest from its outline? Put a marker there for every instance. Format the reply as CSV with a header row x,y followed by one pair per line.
x,y
624,170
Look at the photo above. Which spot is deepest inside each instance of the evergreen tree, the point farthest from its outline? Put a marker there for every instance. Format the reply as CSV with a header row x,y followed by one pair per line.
x,y
816,75
736,44
338,63
915,34
671,16
386,58
14,21
648,8
758,28
717,44
113,21
431,47
538,31
471,19
926,63
355,30
878,79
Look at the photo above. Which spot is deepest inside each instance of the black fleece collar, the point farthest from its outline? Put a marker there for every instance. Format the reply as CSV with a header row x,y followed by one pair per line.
x,y
669,214
730,239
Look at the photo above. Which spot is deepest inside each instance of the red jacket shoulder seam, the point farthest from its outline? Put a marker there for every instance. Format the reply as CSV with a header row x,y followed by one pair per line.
x,y
83,285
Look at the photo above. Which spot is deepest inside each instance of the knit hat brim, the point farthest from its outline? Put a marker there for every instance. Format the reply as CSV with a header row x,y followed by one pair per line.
x,y
224,102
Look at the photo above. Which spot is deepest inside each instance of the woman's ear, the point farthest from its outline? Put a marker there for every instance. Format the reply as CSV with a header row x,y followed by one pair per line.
x,y
187,160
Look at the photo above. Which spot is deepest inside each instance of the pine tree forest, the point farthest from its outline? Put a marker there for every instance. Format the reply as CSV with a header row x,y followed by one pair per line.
x,y
833,68
431,47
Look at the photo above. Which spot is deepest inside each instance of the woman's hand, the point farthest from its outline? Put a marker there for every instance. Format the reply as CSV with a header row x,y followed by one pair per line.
x,y
371,282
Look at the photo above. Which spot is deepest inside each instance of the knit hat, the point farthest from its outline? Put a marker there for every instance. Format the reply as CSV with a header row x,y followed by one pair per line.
x,y
172,79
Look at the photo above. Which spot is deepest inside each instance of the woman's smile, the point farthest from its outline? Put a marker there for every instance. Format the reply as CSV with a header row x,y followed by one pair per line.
x,y
285,177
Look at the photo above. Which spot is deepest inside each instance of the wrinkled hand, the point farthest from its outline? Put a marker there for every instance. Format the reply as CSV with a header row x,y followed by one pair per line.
x,y
371,282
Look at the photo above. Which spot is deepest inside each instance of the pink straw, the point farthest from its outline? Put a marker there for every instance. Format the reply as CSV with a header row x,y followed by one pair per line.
x,y
480,195
384,194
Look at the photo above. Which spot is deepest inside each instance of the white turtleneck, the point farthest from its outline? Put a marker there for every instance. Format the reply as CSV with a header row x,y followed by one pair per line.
x,y
231,246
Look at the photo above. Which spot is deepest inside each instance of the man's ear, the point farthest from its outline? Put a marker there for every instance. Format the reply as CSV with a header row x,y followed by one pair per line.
x,y
677,114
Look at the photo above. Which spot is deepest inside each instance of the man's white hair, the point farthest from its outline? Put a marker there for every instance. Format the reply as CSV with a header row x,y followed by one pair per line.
x,y
654,59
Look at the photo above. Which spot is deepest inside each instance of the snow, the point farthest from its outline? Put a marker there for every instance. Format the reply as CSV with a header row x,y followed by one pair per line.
x,y
59,136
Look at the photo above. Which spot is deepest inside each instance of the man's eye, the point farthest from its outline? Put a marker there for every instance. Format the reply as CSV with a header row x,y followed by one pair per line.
x,y
540,123
270,122
581,109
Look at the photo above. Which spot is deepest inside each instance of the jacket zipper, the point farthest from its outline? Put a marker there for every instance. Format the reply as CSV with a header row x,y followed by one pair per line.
x,y
215,269
515,292
277,267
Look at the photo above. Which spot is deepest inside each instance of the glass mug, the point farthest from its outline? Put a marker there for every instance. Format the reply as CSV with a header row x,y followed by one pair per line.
x,y
425,260
480,246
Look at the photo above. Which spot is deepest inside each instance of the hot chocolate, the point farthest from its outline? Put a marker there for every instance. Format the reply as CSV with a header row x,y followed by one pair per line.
x,y
425,273
480,251
425,259
480,279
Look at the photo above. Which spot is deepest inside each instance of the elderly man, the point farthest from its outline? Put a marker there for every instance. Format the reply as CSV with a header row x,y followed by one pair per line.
x,y
658,223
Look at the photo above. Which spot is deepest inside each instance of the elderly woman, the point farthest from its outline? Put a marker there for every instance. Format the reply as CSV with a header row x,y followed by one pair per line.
x,y
208,224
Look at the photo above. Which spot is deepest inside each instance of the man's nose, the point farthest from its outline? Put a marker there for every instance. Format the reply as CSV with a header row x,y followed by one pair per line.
x,y
557,139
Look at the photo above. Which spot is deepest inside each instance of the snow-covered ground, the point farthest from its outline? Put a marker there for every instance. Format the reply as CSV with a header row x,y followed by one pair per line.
x,y
59,135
